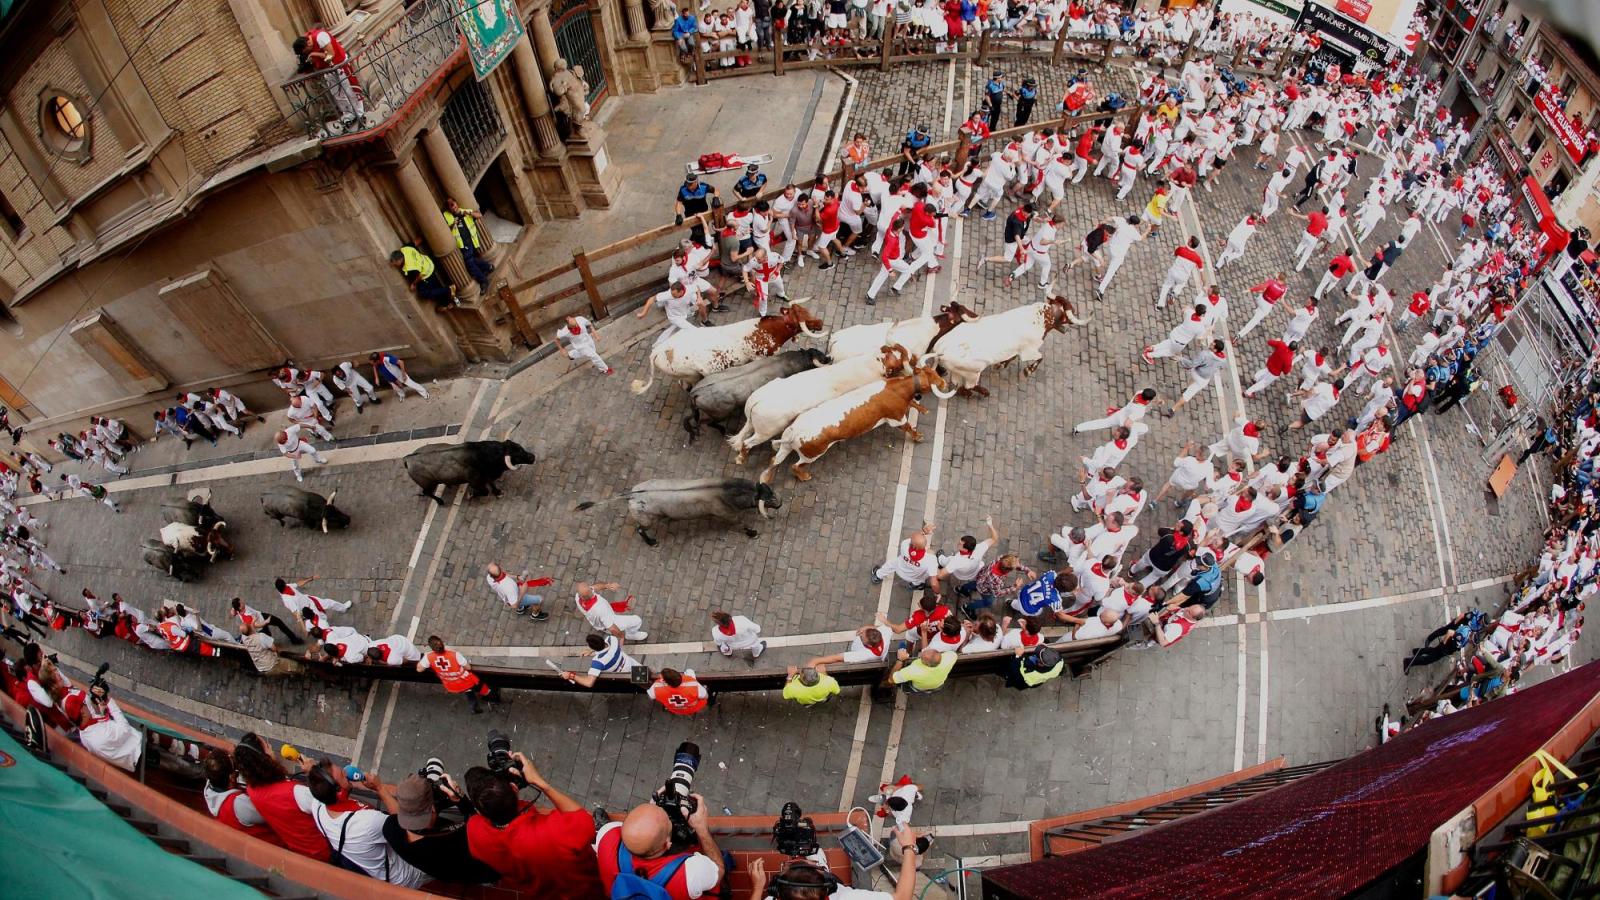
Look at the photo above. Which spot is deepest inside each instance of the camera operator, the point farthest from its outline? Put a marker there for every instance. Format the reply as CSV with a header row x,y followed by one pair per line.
x,y
435,845
541,853
805,880
642,844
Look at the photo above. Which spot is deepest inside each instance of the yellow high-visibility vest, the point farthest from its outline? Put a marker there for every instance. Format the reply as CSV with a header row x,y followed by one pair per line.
x,y
471,221
416,261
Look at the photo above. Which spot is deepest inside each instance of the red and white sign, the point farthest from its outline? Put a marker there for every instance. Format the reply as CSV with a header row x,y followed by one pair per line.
x,y
1567,134
1355,9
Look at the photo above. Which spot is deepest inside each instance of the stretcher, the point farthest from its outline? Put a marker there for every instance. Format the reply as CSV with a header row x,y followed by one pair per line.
x,y
723,163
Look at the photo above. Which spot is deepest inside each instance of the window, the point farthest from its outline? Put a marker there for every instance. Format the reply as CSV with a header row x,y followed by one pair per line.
x,y
10,223
64,123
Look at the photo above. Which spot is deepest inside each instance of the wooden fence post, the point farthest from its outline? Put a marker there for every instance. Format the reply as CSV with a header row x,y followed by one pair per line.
x,y
777,51
1105,61
1055,52
886,52
597,303
519,318
699,62
983,48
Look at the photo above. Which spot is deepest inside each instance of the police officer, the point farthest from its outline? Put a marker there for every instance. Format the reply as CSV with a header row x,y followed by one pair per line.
x,y
749,187
466,225
422,275
917,140
695,197
1026,96
996,91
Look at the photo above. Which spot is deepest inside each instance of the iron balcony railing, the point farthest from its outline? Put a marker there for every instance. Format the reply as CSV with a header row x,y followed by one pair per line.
x,y
387,70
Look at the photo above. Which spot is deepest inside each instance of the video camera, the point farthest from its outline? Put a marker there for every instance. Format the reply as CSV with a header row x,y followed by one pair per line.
x,y
794,834
674,796
499,759
99,688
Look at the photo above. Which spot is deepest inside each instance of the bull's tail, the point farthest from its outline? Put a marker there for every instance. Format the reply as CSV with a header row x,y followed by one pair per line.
x,y
591,504
639,387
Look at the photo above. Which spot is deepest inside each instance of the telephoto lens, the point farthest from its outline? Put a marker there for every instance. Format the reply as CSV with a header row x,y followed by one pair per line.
x,y
685,762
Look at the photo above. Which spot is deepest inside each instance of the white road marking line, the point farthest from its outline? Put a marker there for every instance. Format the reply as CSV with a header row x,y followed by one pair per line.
x,y
952,268
1209,272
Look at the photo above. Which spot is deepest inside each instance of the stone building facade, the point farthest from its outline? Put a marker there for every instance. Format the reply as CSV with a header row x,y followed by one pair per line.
x,y
179,211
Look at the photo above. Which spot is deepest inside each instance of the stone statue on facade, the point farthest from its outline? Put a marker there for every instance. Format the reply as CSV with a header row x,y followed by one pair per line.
x,y
665,11
571,93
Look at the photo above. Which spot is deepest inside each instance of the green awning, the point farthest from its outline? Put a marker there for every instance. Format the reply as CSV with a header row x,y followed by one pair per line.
x,y
58,841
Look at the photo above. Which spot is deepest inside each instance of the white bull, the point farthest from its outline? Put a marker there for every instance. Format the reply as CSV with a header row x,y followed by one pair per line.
x,y
694,353
774,405
997,340
917,335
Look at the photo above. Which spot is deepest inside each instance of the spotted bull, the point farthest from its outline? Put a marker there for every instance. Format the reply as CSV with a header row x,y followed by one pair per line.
x,y
651,503
920,336
770,410
694,353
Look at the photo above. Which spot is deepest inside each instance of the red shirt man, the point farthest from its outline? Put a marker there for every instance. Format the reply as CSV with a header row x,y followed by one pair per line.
x,y
1316,223
1271,290
545,854
828,217
1340,265
1192,255
1280,358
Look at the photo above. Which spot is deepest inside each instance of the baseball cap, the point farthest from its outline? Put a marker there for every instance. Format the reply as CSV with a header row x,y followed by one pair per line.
x,y
414,796
751,168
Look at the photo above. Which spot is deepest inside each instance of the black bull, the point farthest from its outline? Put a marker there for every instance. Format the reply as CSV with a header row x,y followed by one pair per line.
x,y
477,464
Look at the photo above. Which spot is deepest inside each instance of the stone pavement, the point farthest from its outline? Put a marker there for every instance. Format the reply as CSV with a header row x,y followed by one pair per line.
x,y
1299,667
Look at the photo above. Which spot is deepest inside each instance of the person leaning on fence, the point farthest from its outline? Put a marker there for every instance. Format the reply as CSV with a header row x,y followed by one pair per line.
x,y
423,276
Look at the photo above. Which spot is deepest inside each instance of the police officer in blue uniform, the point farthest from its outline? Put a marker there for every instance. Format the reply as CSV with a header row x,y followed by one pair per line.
x,y
916,141
749,187
1026,96
996,90
695,197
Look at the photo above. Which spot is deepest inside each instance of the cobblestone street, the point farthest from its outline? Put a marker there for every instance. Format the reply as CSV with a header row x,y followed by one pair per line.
x,y
1298,667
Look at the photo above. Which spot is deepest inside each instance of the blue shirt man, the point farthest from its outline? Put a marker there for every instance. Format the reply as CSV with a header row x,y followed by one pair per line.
x,y
685,25
749,187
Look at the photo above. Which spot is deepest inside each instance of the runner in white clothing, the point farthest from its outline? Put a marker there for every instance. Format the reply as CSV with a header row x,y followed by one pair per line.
x,y
1124,235
292,446
578,337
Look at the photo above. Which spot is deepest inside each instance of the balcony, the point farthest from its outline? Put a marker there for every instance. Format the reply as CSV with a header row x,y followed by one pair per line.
x,y
388,70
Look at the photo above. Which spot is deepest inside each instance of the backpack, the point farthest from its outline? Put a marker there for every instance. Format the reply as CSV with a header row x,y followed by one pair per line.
x,y
629,885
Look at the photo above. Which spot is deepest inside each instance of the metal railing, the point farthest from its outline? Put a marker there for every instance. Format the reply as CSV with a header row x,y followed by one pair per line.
x,y
377,79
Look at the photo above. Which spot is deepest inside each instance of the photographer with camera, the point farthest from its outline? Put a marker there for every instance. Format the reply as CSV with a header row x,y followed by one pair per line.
x,y
805,879
421,834
663,850
541,853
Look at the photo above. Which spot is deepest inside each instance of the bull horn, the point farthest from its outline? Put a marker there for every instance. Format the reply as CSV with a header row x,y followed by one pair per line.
x,y
324,524
507,460
941,394
801,302
1074,319
813,334
761,506
329,501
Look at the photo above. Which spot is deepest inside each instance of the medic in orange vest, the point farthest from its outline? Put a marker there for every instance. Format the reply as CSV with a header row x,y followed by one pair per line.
x,y
456,674
679,693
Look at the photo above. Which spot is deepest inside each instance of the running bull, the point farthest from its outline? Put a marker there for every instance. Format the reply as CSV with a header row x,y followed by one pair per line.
x,y
1016,334
176,565
651,503
304,507
694,353
719,397
477,464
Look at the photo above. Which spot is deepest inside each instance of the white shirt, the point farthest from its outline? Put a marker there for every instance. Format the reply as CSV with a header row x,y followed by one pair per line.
x,y
746,634
355,643
364,844
114,740
600,615
914,571
243,809
1121,239
858,651
1321,400
1188,473
505,587
966,568
398,650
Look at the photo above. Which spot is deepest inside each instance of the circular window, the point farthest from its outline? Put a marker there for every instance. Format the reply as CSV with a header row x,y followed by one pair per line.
x,y
68,121
64,123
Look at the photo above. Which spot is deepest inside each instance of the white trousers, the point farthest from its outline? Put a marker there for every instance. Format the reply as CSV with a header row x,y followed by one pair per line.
x,y
1263,309
1174,283
1263,379
589,353
1302,253
898,265
1042,260
1112,266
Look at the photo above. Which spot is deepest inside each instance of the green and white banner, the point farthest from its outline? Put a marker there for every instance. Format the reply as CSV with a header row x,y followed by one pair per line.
x,y
492,28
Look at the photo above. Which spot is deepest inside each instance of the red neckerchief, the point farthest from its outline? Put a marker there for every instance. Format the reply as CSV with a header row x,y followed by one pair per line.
x,y
1141,401
915,553
1242,505
728,629
1122,443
